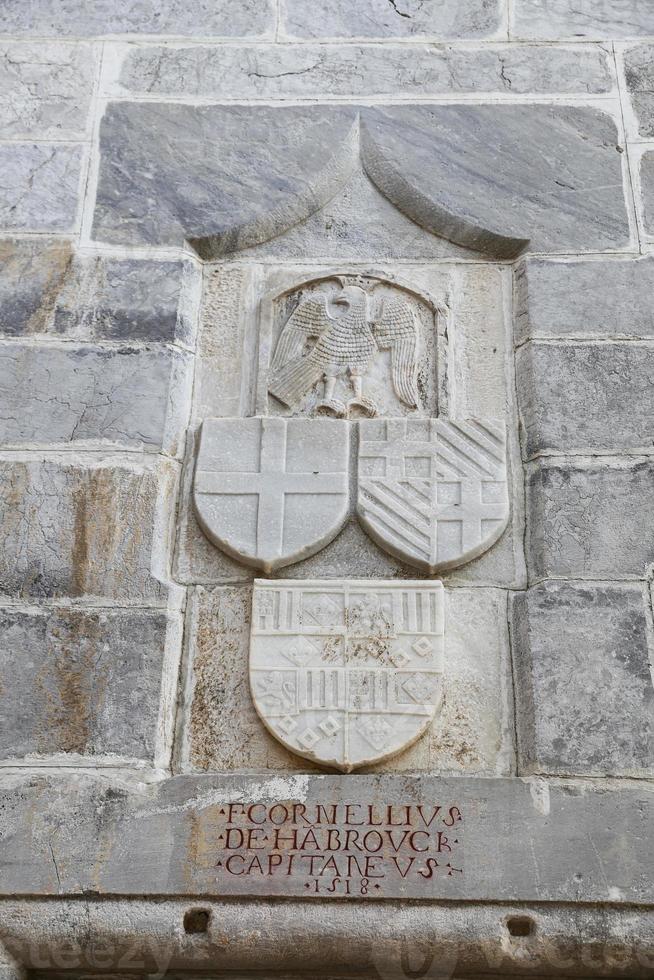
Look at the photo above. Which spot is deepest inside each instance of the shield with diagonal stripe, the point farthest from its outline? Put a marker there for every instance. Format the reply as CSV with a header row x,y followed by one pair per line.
x,y
433,492
272,491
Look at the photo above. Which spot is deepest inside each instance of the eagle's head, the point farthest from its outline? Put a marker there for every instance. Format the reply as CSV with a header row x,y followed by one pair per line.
x,y
349,296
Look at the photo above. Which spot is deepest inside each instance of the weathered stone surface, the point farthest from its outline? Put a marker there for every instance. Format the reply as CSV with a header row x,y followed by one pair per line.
x,y
586,397
376,18
434,163
285,71
587,843
126,396
433,493
48,290
585,517
45,89
39,188
584,693
609,298
82,682
87,936
496,177
348,673
87,528
550,20
471,733
647,189
76,17
223,177
639,73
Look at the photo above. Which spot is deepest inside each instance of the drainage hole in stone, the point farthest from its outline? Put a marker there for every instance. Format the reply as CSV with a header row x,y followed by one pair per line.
x,y
520,926
196,920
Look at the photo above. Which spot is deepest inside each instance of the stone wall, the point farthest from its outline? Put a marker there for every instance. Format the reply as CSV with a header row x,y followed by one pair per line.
x,y
168,170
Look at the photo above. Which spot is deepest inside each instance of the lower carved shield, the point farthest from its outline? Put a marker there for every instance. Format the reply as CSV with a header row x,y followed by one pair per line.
x,y
271,491
346,673
433,492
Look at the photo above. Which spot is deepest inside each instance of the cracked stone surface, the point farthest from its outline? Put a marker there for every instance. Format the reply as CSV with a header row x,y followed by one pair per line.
x,y
647,186
585,397
90,528
392,18
39,186
584,693
639,73
328,69
47,290
554,19
81,682
46,89
134,397
606,298
586,517
176,17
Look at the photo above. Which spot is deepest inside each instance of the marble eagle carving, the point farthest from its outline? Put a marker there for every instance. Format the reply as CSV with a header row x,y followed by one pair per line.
x,y
316,345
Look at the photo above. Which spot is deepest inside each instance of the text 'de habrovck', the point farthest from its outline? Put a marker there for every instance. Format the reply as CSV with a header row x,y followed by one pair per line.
x,y
338,849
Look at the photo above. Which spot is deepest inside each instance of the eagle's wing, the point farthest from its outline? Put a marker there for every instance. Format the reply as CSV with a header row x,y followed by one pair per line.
x,y
397,331
308,320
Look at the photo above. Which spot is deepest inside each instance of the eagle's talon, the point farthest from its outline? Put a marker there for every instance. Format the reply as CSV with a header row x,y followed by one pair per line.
x,y
366,407
333,407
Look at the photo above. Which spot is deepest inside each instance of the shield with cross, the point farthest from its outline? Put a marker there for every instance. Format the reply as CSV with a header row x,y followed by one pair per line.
x,y
433,492
271,491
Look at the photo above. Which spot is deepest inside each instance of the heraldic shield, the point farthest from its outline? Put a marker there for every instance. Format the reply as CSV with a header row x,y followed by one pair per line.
x,y
433,492
346,672
271,491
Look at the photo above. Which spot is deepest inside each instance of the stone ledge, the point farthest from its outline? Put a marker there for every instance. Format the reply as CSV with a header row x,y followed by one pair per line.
x,y
103,937
554,841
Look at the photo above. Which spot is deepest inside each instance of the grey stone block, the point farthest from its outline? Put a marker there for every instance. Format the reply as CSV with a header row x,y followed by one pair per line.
x,y
487,177
45,18
585,397
639,73
286,71
408,18
223,178
569,841
39,187
90,528
584,693
135,397
47,290
647,190
45,89
129,299
604,299
81,682
497,177
585,517
550,20
472,733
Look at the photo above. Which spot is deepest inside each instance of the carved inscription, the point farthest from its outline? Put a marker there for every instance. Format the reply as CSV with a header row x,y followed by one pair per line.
x,y
339,849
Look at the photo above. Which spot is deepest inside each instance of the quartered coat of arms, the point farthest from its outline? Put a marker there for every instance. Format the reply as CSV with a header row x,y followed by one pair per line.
x,y
347,672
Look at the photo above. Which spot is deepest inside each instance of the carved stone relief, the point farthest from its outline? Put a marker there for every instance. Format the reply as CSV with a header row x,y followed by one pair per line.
x,y
272,491
433,492
346,672
352,347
